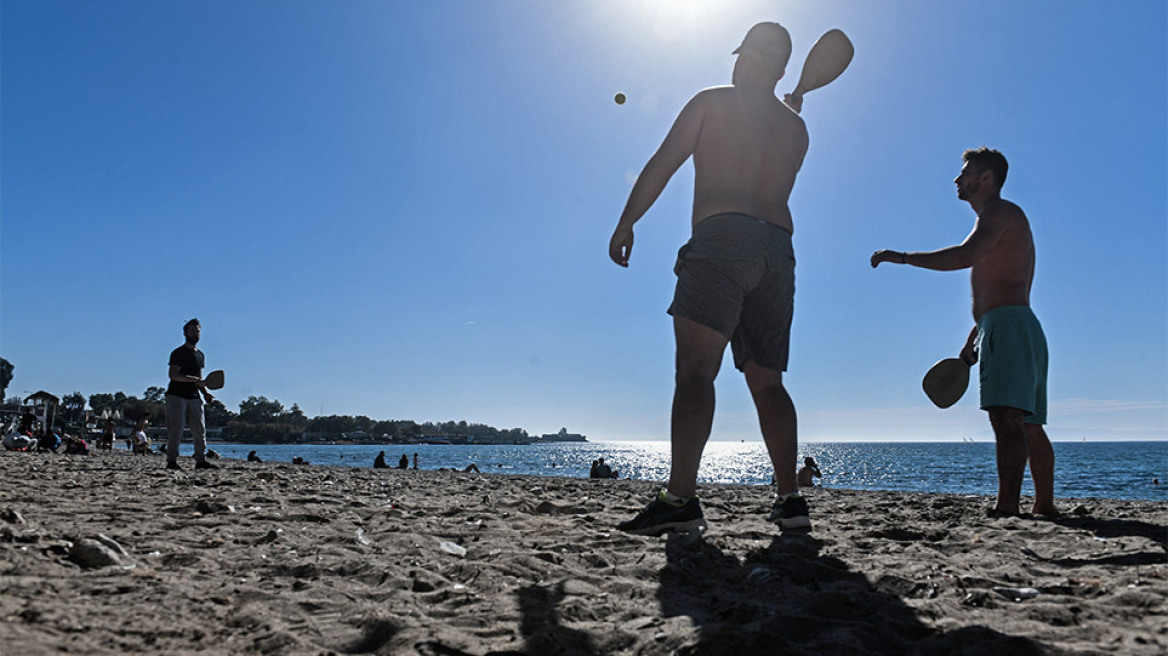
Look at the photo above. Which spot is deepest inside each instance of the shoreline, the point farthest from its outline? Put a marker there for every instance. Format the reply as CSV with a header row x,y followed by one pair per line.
x,y
112,554
952,469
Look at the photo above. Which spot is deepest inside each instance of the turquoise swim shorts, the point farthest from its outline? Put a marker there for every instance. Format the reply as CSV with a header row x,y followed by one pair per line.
x,y
1011,349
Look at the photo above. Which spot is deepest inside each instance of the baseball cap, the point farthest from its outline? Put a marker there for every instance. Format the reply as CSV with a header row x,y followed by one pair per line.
x,y
771,39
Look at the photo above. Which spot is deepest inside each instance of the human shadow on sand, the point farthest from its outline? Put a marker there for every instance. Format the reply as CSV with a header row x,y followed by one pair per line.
x,y
540,625
1115,528
1108,528
789,598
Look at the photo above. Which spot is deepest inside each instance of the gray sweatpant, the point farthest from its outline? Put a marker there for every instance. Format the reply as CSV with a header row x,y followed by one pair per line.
x,y
179,410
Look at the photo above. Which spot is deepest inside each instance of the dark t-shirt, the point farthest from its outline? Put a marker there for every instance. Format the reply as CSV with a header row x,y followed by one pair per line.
x,y
190,363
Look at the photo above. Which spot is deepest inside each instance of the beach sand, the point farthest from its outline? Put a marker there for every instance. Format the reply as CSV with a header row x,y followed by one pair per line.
x,y
111,553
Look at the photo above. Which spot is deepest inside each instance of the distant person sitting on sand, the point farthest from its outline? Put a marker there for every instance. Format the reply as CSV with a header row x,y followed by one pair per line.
x,y
602,469
379,461
415,460
808,472
297,460
48,441
404,463
141,440
19,442
76,446
252,457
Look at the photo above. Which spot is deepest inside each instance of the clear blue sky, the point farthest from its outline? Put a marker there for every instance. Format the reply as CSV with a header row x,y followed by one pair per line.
x,y
402,210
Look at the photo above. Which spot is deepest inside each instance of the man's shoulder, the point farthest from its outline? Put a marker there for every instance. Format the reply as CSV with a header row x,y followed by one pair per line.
x,y
185,352
731,98
715,92
1003,209
719,96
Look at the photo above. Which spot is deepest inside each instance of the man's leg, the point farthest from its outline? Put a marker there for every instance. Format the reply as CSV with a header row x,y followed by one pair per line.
x,y
1041,469
175,413
1010,435
197,424
699,356
778,421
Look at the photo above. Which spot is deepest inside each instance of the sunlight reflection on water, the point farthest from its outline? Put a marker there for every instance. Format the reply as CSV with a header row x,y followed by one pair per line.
x,y
1122,470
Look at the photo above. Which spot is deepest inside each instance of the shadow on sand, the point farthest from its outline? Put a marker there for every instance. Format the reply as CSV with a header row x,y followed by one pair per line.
x,y
790,599
542,630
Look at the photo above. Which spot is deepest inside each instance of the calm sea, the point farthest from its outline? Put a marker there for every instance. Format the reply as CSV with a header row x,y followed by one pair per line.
x,y
1110,470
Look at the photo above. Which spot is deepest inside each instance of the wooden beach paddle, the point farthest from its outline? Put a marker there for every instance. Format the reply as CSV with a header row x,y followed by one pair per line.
x,y
827,60
214,380
946,381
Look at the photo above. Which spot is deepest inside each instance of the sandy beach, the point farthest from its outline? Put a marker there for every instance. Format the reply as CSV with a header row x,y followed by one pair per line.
x,y
111,553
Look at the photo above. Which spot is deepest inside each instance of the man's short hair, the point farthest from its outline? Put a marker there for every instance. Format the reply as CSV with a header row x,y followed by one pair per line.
x,y
986,159
770,39
192,322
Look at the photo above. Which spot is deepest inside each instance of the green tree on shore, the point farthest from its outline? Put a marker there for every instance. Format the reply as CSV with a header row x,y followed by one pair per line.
x,y
259,410
155,395
73,408
217,415
261,420
6,369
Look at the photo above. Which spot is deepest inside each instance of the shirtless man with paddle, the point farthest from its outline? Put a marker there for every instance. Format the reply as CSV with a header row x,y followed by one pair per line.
x,y
736,276
1006,337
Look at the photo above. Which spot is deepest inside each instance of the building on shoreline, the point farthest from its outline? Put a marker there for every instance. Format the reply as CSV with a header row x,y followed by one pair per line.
x,y
562,436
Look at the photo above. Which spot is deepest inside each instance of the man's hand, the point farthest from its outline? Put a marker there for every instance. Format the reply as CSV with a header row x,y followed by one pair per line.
x,y
886,256
969,351
969,355
621,246
794,102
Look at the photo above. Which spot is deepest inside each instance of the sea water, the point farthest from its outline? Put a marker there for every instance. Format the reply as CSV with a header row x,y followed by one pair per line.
x,y
1109,470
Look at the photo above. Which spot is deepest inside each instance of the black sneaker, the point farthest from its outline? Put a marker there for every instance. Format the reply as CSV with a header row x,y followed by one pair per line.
x,y
661,516
172,465
203,464
791,513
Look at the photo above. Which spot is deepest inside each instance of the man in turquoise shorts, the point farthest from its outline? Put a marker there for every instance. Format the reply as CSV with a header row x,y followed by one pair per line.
x,y
1007,336
735,277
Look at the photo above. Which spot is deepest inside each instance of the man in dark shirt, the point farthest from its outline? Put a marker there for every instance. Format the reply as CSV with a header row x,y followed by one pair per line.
x,y
183,403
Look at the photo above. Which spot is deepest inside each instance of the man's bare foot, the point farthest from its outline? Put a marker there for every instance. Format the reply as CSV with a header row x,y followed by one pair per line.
x,y
997,513
1044,510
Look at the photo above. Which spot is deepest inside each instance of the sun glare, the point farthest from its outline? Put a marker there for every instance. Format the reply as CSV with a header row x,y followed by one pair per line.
x,y
680,16
663,26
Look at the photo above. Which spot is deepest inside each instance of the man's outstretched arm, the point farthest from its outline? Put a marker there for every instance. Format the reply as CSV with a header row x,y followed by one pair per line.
x,y
677,147
986,232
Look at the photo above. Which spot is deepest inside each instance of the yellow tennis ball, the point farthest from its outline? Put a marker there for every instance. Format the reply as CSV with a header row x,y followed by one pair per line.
x,y
620,98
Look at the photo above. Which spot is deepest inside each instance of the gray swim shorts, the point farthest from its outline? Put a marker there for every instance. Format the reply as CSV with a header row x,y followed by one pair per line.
x,y
737,276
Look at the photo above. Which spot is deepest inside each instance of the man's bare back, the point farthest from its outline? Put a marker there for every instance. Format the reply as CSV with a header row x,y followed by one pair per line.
x,y
749,148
